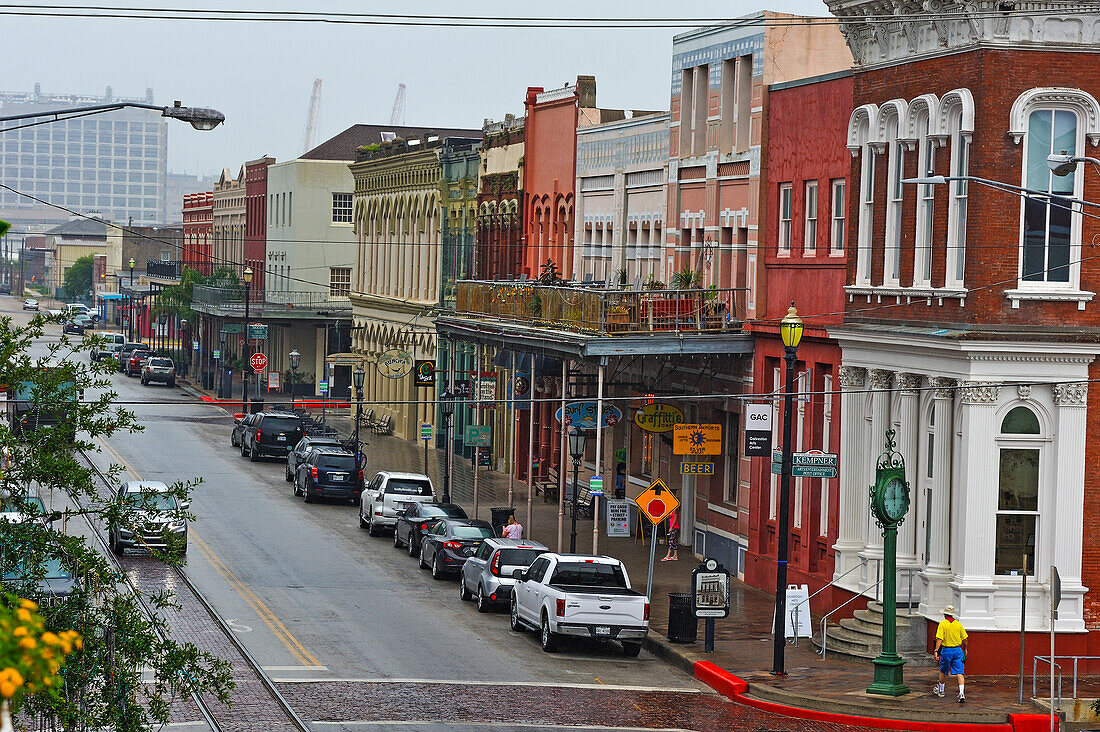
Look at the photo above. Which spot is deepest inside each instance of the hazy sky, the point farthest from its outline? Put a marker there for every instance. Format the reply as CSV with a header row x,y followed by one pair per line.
x,y
260,74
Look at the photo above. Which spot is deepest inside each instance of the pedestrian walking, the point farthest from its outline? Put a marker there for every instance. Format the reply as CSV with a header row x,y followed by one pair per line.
x,y
950,652
673,537
514,530
620,481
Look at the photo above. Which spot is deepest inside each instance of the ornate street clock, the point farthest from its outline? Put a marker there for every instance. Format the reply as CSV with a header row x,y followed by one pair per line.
x,y
889,504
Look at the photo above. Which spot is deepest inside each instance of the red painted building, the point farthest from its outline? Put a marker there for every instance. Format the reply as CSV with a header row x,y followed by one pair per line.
x,y
198,225
804,228
255,221
971,326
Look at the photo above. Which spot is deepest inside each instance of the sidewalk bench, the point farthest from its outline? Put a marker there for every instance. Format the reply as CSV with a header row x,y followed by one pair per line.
x,y
384,425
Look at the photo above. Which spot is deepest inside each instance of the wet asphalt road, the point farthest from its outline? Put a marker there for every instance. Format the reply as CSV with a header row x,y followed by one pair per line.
x,y
355,635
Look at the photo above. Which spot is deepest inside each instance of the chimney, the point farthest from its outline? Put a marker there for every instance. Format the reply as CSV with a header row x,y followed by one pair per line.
x,y
586,92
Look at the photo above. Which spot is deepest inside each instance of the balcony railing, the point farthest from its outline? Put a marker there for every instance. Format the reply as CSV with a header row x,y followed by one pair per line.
x,y
230,300
164,270
603,311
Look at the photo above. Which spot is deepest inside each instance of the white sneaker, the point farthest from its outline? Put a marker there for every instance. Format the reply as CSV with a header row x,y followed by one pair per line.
x,y
962,700
937,691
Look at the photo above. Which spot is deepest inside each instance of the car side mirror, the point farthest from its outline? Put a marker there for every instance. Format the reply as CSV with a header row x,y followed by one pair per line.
x,y
518,573
185,505
55,516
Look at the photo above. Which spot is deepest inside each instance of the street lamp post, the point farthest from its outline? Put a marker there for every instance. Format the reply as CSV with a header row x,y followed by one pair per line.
x,y
447,408
247,355
130,308
357,377
295,362
790,330
223,336
577,440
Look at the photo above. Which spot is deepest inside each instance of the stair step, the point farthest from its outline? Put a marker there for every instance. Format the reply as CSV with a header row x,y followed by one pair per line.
x,y
874,620
875,607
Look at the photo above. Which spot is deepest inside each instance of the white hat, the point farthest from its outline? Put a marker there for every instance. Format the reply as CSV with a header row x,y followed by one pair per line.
x,y
949,610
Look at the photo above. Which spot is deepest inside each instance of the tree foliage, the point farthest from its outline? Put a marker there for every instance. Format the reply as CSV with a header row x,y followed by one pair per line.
x,y
102,685
78,278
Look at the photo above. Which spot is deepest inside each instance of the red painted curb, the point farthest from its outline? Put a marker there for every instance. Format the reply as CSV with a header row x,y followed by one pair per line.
x,y
735,688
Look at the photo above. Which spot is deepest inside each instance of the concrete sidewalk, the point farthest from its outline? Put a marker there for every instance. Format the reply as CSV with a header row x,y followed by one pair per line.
x,y
814,687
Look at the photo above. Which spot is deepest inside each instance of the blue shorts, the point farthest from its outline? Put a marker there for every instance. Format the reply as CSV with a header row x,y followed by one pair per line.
x,y
951,661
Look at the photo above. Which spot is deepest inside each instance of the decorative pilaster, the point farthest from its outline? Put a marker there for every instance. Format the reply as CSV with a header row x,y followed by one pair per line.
x,y
907,427
1063,519
880,383
937,571
853,490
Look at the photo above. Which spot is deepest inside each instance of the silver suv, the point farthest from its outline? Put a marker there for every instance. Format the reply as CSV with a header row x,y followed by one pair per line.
x,y
153,518
487,575
388,494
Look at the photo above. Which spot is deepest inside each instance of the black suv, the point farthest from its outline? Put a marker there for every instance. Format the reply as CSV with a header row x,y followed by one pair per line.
x,y
297,456
328,472
269,433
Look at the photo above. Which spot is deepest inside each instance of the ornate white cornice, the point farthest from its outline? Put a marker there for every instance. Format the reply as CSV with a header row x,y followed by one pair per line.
x,y
943,387
980,392
852,377
1078,100
929,28
1071,395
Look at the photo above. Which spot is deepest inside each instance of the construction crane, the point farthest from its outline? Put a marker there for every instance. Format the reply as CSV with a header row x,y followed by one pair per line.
x,y
311,118
397,116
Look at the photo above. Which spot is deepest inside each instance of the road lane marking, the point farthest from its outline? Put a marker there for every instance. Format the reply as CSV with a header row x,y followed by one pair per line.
x,y
272,622
295,668
463,682
269,618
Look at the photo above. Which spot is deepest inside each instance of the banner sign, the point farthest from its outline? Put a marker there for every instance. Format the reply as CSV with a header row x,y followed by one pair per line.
x,y
394,364
658,417
758,430
583,415
424,374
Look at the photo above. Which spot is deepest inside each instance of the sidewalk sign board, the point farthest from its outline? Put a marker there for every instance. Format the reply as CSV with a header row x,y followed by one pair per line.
x,y
478,435
618,517
797,607
274,381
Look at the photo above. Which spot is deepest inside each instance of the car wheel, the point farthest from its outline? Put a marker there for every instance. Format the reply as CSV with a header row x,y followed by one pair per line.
x,y
396,539
372,530
289,476
423,564
144,382
253,454
244,450
482,603
547,639
306,494
437,571
116,545
297,490
362,521
171,383
631,650
233,439
514,621
463,593
412,546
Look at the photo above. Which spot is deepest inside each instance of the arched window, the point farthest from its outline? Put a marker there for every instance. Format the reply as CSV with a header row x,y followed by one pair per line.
x,y
891,272
863,121
1020,450
957,123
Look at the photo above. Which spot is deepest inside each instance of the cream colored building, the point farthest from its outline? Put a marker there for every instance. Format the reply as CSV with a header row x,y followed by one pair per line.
x,y
228,228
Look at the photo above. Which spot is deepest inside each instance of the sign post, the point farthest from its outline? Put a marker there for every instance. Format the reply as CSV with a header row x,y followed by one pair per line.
x,y
655,502
710,596
426,437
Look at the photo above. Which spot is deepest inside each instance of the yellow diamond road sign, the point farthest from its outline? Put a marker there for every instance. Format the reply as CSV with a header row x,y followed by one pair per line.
x,y
657,501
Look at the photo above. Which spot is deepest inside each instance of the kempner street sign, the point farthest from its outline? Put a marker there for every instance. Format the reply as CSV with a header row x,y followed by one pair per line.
x,y
810,464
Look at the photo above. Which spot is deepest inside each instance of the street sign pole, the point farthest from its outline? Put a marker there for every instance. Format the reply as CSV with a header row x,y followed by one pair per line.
x,y
652,556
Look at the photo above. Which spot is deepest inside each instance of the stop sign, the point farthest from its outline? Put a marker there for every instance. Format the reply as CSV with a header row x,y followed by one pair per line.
x,y
259,362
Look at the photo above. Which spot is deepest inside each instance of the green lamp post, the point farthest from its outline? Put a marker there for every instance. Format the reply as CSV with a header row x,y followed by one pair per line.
x,y
889,504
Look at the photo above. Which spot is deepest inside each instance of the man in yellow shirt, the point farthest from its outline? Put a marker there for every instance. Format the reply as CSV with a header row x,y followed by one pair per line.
x,y
950,652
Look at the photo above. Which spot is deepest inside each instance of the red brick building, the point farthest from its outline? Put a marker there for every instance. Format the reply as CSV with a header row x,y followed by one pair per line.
x,y
498,244
255,221
804,228
198,225
971,327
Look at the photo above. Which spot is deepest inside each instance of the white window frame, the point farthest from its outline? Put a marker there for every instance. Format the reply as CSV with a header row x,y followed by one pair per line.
x,y
1039,443
838,210
1073,282
891,266
342,207
809,214
955,265
339,281
826,442
926,208
866,215
786,196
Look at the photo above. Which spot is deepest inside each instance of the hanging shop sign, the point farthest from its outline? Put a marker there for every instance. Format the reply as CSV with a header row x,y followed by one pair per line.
x,y
658,417
424,374
583,415
758,430
395,364
697,439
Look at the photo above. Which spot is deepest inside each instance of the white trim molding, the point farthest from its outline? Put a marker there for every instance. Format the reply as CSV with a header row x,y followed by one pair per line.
x,y
1078,100
1079,296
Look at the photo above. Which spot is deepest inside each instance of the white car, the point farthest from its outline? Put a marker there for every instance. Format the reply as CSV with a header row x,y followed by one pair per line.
x,y
580,595
30,304
388,494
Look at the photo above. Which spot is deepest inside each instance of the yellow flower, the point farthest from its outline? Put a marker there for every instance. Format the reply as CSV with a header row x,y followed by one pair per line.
x,y
28,642
15,677
24,614
19,632
51,638
7,689
28,605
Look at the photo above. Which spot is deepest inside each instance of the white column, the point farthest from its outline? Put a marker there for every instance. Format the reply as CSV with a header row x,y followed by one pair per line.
x,y
907,426
974,506
853,504
935,592
880,384
1060,521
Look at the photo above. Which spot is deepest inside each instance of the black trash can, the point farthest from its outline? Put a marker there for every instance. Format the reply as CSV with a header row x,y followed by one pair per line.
x,y
683,626
500,516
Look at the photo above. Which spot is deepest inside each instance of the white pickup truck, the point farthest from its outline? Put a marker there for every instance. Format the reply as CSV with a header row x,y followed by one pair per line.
x,y
579,595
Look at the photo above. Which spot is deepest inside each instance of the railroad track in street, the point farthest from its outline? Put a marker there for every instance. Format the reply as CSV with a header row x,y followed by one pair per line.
x,y
256,702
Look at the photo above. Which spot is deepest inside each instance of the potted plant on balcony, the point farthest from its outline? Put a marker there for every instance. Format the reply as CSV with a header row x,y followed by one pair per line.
x,y
617,318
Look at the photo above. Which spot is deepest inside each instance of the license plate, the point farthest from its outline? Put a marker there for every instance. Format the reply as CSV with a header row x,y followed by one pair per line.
x,y
339,477
281,438
603,630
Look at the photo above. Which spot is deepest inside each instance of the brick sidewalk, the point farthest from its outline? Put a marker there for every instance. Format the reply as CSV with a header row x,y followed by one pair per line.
x,y
743,642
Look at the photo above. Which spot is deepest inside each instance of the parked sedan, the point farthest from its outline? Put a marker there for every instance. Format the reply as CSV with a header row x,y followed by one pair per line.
x,y
159,369
450,542
30,304
295,457
488,573
72,328
415,521
329,472
137,362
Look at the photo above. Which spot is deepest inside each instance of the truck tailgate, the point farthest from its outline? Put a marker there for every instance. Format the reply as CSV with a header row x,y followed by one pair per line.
x,y
596,609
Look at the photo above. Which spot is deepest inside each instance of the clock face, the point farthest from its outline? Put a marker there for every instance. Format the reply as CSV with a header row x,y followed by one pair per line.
x,y
895,499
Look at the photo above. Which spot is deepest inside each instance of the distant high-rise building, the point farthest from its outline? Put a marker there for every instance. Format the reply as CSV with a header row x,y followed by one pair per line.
x,y
114,163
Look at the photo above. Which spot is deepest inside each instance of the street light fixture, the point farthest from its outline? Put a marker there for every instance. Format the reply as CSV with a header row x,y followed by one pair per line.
x,y
790,331
295,362
577,443
244,371
447,409
201,118
357,377
1062,164
223,336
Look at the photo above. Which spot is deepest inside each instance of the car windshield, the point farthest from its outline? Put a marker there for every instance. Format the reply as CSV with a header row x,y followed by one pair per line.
x,y
325,442
52,569
409,487
30,503
140,354
153,500
519,557
281,424
165,362
585,574
472,532
448,511
338,462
